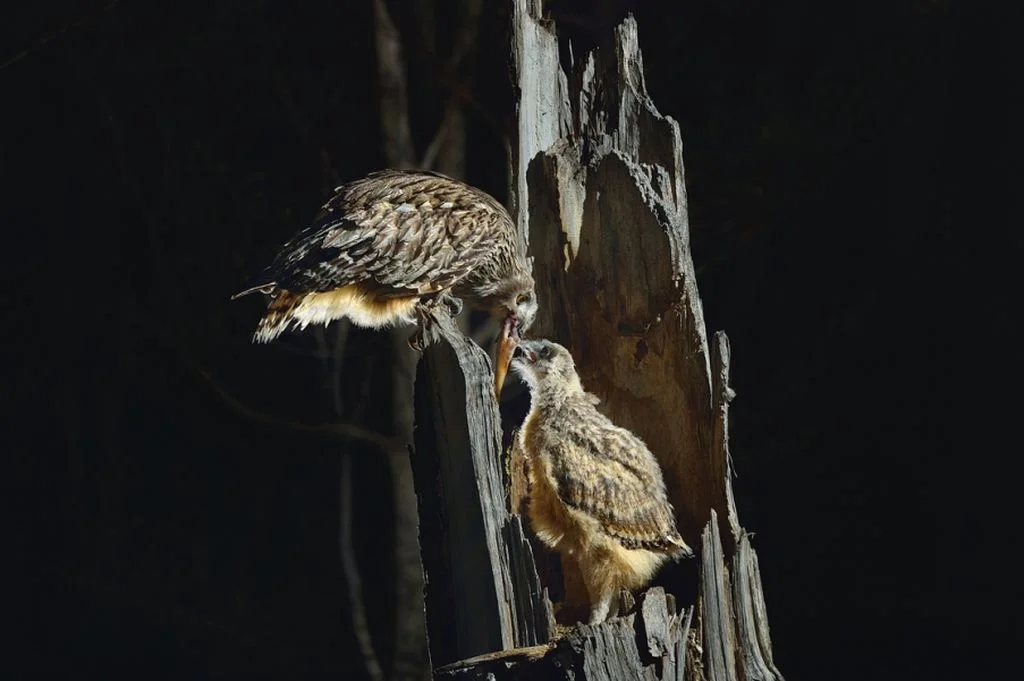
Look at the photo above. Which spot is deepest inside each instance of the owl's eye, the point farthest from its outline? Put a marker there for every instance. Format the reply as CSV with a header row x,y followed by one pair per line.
x,y
545,352
522,298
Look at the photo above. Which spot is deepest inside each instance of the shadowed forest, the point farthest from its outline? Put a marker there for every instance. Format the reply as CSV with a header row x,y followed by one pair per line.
x,y
176,500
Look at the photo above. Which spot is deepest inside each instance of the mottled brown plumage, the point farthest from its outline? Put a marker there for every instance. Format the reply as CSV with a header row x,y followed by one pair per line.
x,y
596,491
387,249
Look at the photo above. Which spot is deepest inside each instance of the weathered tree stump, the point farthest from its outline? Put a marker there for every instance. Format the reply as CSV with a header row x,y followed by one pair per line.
x,y
482,592
600,198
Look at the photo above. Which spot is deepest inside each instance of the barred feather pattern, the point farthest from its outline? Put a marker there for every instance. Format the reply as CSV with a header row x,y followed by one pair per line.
x,y
605,472
597,493
396,235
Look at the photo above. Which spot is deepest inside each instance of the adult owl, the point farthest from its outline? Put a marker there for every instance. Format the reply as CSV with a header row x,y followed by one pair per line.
x,y
392,247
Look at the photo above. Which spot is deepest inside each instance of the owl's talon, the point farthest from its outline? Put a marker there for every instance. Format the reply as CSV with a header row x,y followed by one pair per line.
x,y
444,299
453,304
426,332
422,339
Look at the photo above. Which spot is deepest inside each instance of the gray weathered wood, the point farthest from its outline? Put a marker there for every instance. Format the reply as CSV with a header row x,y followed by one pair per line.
x,y
754,644
646,645
541,111
534,617
718,630
764,638
723,395
746,623
465,528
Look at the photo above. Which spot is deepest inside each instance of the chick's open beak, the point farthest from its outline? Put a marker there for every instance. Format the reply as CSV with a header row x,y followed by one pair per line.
x,y
507,342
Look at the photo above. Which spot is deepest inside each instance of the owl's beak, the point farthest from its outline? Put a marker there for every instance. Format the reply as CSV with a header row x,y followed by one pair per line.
x,y
524,354
507,342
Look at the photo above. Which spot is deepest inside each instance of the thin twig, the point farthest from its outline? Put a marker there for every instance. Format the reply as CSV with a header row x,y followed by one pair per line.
x,y
466,42
430,155
344,431
352,579
43,42
337,361
394,96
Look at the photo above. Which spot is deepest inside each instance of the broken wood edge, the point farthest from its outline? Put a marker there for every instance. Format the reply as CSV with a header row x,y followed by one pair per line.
x,y
462,610
761,616
539,117
717,628
536,619
649,643
751,616
749,619
722,395
505,657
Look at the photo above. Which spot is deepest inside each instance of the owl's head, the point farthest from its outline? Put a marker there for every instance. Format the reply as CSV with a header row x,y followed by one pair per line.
x,y
516,300
544,362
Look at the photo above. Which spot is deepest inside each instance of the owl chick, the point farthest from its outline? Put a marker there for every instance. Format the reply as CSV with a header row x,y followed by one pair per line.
x,y
596,492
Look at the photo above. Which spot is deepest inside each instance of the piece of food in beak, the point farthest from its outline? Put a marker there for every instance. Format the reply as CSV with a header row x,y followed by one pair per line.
x,y
507,342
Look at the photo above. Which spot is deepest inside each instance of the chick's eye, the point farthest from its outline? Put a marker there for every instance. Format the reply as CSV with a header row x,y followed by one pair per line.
x,y
545,352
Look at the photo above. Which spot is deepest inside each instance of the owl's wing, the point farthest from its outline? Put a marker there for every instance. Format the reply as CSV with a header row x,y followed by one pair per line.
x,y
609,474
410,232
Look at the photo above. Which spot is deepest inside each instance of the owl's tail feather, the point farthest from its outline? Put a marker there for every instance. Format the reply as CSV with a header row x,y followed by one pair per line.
x,y
278,317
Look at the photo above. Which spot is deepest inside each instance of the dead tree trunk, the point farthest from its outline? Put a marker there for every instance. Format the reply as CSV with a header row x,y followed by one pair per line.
x,y
601,201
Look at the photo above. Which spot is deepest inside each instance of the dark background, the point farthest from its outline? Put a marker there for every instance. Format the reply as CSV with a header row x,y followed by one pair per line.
x,y
156,154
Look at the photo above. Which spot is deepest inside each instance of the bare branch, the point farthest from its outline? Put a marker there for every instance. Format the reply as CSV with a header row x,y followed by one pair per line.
x,y
452,157
43,42
394,96
331,354
466,44
352,579
338,356
343,431
423,11
430,155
